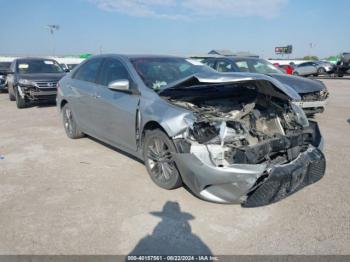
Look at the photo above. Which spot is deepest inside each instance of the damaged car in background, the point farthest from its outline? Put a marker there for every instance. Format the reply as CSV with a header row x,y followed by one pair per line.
x,y
32,80
314,93
230,138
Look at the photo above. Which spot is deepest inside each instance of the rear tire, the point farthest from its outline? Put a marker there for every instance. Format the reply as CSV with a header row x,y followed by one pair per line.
x,y
161,167
321,71
69,123
20,101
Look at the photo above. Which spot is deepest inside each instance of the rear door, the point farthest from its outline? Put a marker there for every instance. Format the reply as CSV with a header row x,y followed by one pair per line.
x,y
83,93
306,69
115,111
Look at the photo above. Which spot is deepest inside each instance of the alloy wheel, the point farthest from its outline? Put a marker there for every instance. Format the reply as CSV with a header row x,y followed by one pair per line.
x,y
160,160
68,120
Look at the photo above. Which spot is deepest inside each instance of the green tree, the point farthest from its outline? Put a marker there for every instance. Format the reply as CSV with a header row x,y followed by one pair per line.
x,y
311,57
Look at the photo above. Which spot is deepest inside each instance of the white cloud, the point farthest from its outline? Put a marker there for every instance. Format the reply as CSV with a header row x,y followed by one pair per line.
x,y
187,9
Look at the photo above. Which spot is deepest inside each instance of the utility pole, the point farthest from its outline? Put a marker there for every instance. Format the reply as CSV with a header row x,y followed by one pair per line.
x,y
311,45
52,29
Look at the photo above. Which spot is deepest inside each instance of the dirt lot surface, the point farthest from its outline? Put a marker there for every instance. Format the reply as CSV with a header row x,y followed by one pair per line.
x,y
62,196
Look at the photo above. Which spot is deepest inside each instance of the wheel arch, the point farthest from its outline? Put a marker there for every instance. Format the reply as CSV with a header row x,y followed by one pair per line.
x,y
63,103
151,125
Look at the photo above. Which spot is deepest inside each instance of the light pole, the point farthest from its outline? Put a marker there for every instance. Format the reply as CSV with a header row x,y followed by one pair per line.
x,y
52,29
311,45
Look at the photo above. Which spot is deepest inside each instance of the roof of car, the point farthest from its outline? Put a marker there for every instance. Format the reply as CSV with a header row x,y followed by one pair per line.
x,y
134,56
34,58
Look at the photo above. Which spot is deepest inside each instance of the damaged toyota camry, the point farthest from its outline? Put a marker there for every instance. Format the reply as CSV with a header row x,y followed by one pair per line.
x,y
230,138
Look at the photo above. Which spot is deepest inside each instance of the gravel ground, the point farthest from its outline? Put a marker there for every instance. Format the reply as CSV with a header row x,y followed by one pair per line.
x,y
62,196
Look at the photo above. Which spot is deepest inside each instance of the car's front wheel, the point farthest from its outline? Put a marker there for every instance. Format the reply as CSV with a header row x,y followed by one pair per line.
x,y
157,152
20,101
70,124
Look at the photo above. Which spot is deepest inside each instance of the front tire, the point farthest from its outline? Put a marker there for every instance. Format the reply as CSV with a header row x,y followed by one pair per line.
x,y
12,97
20,101
70,124
157,153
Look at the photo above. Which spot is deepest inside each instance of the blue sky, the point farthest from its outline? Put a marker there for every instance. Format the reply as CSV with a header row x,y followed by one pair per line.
x,y
174,26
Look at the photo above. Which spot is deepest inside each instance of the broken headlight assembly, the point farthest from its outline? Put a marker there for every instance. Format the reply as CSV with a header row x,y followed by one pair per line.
x,y
300,116
26,82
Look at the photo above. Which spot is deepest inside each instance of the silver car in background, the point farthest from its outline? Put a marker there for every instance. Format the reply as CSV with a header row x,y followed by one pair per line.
x,y
306,69
314,68
230,138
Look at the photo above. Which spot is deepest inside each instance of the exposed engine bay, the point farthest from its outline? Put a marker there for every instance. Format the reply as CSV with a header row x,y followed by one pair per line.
x,y
241,126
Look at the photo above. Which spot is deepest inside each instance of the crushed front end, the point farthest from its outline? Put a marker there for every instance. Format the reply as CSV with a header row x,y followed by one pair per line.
x,y
246,143
313,102
44,90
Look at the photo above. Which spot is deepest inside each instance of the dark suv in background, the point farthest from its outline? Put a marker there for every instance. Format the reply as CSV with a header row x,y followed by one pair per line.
x,y
33,79
4,68
343,65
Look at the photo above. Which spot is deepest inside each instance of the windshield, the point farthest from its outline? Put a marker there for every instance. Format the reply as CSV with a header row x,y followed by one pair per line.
x,y
256,66
157,73
38,66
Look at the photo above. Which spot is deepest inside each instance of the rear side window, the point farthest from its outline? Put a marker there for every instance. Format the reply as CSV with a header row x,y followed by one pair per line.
x,y
112,70
242,66
88,71
225,66
209,62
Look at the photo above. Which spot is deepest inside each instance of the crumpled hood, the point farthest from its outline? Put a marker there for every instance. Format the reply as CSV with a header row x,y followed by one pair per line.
x,y
299,84
267,83
42,77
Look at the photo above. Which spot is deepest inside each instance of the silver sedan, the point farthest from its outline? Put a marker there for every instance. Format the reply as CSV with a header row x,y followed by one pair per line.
x,y
230,138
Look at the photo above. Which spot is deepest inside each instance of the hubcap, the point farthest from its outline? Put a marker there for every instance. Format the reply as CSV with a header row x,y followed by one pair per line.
x,y
160,160
68,120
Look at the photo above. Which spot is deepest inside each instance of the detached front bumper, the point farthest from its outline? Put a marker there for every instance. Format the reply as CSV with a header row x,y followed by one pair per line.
x,y
284,180
252,185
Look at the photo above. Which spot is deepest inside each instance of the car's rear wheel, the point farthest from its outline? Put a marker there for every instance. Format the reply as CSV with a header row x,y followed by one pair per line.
x,y
20,101
70,124
157,152
321,71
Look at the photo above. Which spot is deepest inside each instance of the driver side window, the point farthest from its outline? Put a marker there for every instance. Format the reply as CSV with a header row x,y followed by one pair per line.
x,y
112,70
88,71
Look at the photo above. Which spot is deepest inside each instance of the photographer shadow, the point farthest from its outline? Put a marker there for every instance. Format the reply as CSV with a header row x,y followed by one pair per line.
x,y
172,235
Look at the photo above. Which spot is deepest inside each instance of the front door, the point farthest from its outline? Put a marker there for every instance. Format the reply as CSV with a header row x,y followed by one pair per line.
x,y
115,111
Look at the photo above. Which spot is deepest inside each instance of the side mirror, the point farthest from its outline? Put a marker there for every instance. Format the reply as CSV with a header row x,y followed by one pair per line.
x,y
67,70
120,85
